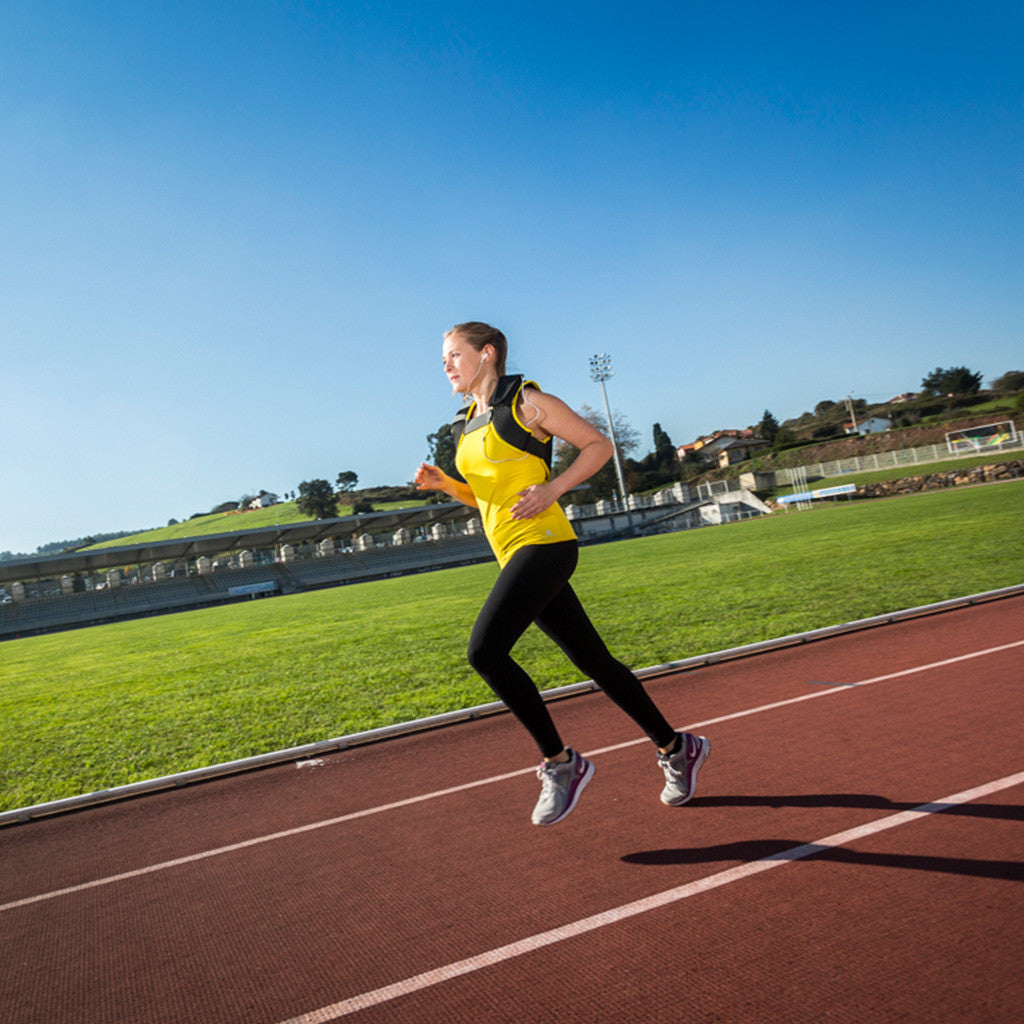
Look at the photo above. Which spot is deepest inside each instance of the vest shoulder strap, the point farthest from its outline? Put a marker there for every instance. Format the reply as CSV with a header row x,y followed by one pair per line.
x,y
502,415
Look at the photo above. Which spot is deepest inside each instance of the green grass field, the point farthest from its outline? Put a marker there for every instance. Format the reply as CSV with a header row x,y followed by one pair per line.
x,y
100,707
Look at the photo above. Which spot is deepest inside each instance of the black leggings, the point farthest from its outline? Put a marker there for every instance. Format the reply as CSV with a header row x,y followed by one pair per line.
x,y
534,587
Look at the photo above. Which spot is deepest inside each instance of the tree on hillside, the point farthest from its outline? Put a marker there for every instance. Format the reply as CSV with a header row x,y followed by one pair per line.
x,y
316,499
347,480
690,465
785,438
663,446
1011,381
957,380
663,457
658,467
627,440
803,420
768,428
604,483
441,448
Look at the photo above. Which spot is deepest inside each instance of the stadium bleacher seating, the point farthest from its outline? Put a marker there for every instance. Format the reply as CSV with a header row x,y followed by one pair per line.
x,y
143,596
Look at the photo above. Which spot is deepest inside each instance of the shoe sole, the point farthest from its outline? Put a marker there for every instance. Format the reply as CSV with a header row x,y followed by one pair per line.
x,y
585,778
691,789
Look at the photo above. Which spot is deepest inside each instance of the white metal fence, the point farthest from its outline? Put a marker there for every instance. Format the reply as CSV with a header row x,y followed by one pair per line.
x,y
882,460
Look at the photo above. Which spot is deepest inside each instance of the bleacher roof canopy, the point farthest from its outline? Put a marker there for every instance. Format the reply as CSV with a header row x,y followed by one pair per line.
x,y
93,560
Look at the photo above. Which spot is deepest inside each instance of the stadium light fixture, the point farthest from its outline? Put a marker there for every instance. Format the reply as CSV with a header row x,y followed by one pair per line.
x,y
601,371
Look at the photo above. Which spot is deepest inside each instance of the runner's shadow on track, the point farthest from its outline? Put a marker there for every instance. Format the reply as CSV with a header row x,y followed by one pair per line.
x,y
1005,812
762,849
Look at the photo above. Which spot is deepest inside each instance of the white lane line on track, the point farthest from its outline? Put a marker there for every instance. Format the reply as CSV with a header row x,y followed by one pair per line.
x,y
814,695
437,794
615,914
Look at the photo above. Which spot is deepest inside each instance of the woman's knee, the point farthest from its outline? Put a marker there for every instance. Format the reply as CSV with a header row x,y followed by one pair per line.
x,y
483,658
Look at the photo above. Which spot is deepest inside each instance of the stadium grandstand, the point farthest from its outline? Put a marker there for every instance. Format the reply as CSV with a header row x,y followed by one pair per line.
x,y
105,584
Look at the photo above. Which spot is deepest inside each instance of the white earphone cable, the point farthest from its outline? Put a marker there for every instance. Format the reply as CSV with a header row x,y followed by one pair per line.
x,y
537,414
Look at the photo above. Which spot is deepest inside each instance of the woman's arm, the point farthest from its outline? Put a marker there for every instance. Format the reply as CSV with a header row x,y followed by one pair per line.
x,y
551,417
430,478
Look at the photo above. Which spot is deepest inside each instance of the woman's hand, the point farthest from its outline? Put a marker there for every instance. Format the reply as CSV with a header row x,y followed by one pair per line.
x,y
429,478
534,500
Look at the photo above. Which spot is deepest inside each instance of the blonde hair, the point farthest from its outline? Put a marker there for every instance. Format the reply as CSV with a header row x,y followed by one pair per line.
x,y
480,334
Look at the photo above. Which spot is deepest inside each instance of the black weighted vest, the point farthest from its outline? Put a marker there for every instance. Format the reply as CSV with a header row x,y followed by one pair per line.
x,y
503,402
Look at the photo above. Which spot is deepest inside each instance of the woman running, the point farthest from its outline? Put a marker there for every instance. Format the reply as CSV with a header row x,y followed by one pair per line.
x,y
503,456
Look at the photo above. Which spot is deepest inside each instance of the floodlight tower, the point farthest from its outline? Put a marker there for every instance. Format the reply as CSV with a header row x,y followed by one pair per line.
x,y
600,371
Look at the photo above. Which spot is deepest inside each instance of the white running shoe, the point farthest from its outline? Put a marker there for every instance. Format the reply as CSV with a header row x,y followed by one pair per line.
x,y
560,788
681,769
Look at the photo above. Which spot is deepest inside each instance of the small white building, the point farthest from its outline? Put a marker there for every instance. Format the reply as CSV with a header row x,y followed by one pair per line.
x,y
872,425
739,450
265,500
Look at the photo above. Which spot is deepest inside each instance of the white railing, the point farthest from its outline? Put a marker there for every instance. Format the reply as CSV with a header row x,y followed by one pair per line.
x,y
881,460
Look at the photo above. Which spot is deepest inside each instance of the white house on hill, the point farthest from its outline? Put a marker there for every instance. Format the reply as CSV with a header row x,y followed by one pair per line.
x,y
711,447
739,450
873,425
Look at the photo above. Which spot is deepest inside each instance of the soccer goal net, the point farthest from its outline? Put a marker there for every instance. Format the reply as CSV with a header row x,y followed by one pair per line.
x,y
988,437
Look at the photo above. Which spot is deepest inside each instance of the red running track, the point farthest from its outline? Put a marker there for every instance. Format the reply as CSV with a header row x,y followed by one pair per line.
x,y
854,853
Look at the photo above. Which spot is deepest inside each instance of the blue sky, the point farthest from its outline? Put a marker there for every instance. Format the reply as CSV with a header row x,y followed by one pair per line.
x,y
233,234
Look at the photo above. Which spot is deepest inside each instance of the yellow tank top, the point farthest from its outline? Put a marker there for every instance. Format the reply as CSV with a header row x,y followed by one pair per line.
x,y
497,471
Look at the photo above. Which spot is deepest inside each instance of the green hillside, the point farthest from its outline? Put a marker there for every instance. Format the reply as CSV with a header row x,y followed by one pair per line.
x,y
226,522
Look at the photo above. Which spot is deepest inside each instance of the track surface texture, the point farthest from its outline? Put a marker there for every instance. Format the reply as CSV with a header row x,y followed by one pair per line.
x,y
854,854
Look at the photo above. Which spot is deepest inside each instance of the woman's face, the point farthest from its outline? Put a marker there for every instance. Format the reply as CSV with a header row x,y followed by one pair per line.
x,y
463,365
